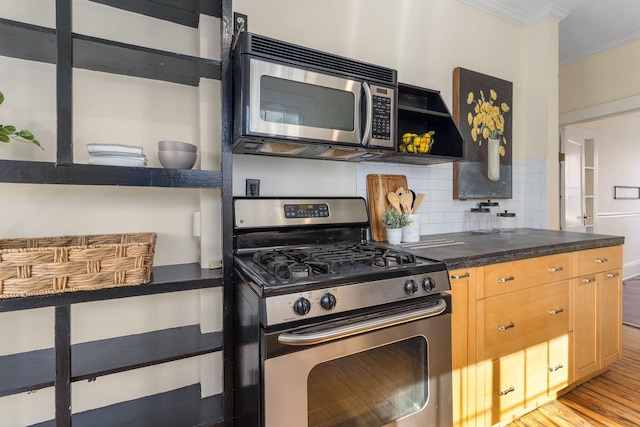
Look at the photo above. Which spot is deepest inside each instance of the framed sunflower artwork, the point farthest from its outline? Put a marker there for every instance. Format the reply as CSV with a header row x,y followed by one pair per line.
x,y
483,110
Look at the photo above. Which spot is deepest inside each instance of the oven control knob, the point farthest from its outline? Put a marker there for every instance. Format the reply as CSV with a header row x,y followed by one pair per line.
x,y
328,301
410,287
428,284
302,306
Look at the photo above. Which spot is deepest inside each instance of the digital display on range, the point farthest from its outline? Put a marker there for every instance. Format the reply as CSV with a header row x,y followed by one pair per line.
x,y
308,210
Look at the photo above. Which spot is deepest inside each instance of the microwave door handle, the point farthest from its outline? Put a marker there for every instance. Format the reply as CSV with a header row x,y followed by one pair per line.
x,y
331,334
366,136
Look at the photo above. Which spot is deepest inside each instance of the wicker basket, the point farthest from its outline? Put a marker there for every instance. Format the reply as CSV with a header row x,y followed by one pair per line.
x,y
49,265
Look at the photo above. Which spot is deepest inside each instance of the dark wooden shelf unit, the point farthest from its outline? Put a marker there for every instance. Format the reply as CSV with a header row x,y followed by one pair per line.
x,y
27,41
421,110
184,12
35,43
23,372
92,53
29,172
168,278
60,366
180,407
35,370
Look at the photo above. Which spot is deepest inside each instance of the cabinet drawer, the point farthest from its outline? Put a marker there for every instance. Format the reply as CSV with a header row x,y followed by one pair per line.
x,y
515,275
517,320
600,259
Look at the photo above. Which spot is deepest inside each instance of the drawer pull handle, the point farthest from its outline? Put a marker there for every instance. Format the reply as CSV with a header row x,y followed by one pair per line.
x,y
506,279
507,391
556,368
588,280
458,277
554,269
509,326
559,310
600,261
612,275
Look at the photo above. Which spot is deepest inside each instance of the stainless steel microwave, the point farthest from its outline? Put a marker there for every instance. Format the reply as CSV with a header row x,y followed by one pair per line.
x,y
294,101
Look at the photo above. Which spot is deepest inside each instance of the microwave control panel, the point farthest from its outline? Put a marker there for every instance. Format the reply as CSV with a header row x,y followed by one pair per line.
x,y
383,110
381,117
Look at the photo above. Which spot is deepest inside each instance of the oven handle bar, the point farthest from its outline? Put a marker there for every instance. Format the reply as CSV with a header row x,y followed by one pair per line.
x,y
331,334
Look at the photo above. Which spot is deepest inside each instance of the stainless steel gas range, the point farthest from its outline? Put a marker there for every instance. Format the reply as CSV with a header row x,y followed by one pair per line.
x,y
333,330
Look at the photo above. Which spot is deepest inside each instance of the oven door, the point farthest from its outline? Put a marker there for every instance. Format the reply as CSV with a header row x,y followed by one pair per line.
x,y
299,104
393,375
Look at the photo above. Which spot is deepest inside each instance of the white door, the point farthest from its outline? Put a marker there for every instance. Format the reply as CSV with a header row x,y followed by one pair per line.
x,y
576,179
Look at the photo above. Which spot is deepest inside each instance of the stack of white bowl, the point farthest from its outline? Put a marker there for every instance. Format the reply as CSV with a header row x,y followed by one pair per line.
x,y
177,154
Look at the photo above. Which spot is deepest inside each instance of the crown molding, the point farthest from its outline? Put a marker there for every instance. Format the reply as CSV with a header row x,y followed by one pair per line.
x,y
516,17
629,38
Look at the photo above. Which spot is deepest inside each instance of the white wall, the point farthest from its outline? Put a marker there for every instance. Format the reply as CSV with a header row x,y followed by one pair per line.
x,y
601,93
425,41
606,78
615,143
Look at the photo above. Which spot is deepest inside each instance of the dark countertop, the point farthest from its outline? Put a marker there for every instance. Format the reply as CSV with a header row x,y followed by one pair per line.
x,y
465,250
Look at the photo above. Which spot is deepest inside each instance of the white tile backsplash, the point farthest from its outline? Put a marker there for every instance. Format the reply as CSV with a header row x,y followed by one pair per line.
x,y
440,213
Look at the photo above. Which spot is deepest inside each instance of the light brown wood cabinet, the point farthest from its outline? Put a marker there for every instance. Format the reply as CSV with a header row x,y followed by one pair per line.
x,y
461,282
597,319
530,329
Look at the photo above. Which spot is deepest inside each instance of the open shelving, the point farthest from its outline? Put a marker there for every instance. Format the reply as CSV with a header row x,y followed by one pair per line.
x,y
38,369
64,364
421,110
42,44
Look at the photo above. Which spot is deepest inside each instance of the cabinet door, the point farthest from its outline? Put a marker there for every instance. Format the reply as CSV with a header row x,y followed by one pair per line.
x,y
546,370
584,315
503,389
558,364
536,373
610,317
461,282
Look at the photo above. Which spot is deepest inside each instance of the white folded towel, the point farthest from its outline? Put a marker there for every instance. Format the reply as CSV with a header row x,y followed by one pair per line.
x,y
133,161
113,148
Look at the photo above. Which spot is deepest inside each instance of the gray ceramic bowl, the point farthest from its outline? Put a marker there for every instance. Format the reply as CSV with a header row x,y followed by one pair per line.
x,y
177,159
177,146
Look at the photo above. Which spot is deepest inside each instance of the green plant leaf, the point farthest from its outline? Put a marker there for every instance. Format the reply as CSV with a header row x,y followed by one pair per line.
x,y
1,98
25,134
9,130
4,138
36,142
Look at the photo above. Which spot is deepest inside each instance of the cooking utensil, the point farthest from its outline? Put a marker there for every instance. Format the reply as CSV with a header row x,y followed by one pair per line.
x,y
417,203
406,199
378,186
394,200
413,196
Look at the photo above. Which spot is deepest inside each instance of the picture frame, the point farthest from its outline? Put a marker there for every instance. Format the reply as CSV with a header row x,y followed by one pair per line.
x,y
483,111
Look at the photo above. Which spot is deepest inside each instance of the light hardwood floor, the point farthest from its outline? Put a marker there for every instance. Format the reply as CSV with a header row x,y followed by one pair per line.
x,y
609,400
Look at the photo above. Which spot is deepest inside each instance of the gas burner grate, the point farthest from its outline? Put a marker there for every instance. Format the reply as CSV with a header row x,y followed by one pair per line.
x,y
346,258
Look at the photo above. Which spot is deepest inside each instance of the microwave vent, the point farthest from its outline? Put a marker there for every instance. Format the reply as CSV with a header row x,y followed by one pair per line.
x,y
320,60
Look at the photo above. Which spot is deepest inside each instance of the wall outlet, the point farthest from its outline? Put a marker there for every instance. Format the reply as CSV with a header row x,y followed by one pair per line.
x,y
252,188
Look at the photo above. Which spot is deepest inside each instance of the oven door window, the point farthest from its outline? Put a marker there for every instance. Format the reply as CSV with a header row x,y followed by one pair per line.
x,y
370,388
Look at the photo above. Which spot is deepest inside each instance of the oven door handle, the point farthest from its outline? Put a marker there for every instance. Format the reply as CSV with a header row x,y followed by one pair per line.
x,y
331,334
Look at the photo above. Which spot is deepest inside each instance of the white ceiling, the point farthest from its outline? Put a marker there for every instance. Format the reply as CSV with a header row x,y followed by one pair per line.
x,y
586,26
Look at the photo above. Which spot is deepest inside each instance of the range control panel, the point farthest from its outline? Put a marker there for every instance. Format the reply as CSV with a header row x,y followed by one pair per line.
x,y
339,299
308,210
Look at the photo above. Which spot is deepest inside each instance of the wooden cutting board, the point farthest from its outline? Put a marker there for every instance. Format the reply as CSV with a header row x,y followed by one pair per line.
x,y
378,186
